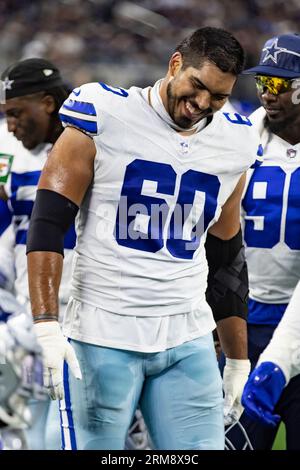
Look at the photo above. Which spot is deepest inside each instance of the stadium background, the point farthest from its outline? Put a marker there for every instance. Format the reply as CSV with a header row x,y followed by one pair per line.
x,y
125,43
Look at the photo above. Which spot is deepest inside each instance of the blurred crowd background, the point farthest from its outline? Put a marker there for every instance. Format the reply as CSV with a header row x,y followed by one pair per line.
x,y
129,42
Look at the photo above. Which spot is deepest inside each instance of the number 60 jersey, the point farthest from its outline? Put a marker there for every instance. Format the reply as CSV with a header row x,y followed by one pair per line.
x,y
142,224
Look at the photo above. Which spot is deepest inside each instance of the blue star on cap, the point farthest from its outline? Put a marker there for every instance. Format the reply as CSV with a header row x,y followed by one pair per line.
x,y
274,50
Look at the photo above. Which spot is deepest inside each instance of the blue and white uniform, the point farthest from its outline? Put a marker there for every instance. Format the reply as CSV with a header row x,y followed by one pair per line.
x,y
141,160
6,264
272,227
138,311
271,219
21,191
5,216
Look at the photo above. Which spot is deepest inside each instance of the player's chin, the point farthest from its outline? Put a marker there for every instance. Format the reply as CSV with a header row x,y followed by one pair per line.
x,y
274,116
29,144
187,123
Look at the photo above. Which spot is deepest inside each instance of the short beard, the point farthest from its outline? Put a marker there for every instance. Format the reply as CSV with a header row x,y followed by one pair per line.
x,y
277,127
185,123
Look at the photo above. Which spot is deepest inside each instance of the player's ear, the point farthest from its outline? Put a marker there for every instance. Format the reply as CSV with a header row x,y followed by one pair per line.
x,y
49,104
175,64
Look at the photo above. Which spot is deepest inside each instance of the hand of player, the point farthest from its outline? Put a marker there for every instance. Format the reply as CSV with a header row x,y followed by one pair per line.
x,y
262,392
235,375
56,349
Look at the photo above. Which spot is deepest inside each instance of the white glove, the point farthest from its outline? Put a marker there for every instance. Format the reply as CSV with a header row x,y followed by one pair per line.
x,y
235,376
56,350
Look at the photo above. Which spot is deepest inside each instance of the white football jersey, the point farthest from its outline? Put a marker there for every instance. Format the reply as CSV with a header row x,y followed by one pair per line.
x,y
142,225
21,190
272,220
7,259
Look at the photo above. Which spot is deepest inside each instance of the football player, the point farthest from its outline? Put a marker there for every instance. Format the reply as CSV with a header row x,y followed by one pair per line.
x,y
34,92
272,238
152,170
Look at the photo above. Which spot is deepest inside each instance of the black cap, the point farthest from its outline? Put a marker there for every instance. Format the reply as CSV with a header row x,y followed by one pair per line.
x,y
30,76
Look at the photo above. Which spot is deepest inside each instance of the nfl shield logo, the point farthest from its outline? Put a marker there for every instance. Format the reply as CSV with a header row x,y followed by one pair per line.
x,y
291,153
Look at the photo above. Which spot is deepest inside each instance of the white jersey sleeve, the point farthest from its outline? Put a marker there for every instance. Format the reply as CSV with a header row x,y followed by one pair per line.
x,y
284,348
79,109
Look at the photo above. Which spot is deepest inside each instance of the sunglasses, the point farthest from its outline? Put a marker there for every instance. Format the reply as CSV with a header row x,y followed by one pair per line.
x,y
275,85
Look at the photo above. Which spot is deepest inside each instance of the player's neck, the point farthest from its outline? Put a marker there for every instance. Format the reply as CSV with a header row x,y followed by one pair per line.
x,y
290,133
54,132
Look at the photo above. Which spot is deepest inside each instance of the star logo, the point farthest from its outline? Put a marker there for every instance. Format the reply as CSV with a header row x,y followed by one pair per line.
x,y
274,50
7,83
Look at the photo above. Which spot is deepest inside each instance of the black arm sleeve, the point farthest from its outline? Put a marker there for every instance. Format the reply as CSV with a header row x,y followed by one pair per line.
x,y
51,217
227,290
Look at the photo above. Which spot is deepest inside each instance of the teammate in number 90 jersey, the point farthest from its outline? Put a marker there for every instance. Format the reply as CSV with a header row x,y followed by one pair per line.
x,y
272,224
272,238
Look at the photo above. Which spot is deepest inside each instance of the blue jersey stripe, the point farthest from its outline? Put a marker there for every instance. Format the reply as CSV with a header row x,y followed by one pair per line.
x,y
22,207
5,216
4,316
21,237
69,241
79,107
70,428
88,126
30,178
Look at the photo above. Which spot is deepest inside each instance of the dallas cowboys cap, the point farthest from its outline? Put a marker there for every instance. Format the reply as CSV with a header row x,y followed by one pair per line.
x,y
30,76
280,57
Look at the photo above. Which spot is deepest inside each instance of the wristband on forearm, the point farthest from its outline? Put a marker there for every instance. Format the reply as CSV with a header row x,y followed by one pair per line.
x,y
45,317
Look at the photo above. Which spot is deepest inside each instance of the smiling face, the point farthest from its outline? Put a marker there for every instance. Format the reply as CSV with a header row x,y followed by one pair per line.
x,y
281,109
192,94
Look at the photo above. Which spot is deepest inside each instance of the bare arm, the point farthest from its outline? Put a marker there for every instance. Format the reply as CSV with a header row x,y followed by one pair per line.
x,y
3,194
69,172
229,221
232,331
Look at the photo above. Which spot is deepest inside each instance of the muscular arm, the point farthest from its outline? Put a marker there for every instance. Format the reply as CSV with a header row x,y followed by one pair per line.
x,y
69,172
232,331
229,221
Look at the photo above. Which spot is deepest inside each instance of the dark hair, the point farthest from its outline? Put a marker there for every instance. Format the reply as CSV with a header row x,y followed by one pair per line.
x,y
59,94
215,45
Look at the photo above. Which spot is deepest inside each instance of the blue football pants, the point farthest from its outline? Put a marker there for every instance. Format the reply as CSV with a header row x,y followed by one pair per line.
x,y
178,390
45,431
